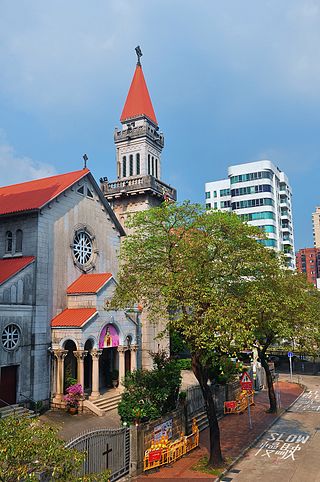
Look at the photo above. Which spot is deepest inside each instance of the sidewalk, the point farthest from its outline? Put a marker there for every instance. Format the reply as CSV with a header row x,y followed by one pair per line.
x,y
235,433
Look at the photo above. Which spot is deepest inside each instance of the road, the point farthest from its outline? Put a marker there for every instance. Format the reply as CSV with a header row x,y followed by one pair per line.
x,y
290,450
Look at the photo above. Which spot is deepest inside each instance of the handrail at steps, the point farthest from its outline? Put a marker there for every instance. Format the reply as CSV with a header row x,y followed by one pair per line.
x,y
31,400
8,405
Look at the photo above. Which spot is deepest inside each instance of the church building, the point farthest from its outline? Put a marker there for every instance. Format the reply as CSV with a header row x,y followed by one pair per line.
x,y
59,256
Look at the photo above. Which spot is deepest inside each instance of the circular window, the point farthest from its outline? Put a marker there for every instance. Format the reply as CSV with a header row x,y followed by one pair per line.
x,y
82,247
10,337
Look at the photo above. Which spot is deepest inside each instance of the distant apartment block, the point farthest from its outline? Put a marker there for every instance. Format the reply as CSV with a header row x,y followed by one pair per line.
x,y
308,262
316,227
259,192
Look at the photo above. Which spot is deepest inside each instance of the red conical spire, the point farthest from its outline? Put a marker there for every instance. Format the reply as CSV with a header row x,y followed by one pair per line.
x,y
138,100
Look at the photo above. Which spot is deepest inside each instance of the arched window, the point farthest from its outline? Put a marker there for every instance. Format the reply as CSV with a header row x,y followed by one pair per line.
x,y
152,163
138,163
9,242
156,167
19,236
124,166
148,163
131,165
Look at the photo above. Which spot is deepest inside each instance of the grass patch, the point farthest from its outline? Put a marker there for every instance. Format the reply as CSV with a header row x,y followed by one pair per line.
x,y
202,466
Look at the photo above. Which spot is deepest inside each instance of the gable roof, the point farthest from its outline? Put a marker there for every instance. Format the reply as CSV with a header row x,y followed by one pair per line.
x,y
138,100
33,195
11,266
89,283
73,317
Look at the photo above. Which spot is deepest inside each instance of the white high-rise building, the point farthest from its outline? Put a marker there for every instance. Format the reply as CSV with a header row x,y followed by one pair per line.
x,y
316,227
261,195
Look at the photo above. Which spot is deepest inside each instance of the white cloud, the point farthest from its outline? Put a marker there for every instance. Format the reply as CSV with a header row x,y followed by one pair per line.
x,y
15,168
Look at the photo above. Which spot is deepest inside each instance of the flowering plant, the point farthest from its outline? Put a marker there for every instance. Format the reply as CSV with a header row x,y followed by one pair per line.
x,y
74,395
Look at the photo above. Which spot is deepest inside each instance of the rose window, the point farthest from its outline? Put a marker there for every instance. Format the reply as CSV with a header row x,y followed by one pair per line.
x,y
10,337
82,247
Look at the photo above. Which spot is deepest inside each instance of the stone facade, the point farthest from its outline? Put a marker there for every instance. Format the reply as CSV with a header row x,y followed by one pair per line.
x,y
34,295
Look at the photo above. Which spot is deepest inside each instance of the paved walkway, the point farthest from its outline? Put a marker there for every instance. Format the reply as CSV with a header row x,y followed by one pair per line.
x,y
71,425
235,436
289,451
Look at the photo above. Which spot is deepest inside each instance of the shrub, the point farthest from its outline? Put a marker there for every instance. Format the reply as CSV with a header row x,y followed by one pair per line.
x,y
226,370
184,364
150,394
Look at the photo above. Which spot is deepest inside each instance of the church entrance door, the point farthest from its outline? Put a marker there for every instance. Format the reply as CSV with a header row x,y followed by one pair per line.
x,y
108,363
8,385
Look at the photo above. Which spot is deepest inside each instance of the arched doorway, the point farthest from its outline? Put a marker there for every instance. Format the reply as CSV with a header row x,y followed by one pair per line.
x,y
108,361
88,366
70,364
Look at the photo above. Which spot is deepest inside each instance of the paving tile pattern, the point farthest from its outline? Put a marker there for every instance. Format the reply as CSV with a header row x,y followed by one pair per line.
x,y
236,435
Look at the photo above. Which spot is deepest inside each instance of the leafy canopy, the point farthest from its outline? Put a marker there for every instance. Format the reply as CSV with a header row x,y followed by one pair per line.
x,y
29,448
197,265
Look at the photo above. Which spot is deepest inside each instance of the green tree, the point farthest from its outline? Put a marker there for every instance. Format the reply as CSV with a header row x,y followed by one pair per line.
x,y
282,306
29,448
196,266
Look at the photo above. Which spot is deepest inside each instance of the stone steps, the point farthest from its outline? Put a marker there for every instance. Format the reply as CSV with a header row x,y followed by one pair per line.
x,y
107,403
16,411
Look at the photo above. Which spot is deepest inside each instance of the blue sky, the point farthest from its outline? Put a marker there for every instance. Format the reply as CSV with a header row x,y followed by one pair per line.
x,y
230,82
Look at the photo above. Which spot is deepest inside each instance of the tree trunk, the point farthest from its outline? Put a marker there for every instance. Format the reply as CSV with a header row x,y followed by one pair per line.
x,y
272,395
215,456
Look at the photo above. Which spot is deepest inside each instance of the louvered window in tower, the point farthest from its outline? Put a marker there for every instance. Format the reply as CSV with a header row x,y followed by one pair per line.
x,y
152,163
138,163
131,165
148,163
124,166
156,167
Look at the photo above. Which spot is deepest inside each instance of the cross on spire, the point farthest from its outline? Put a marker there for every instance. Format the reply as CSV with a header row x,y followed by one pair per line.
x,y
139,54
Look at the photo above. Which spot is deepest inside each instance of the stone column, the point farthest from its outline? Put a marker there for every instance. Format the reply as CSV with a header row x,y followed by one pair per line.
x,y
95,374
121,350
134,349
60,356
80,354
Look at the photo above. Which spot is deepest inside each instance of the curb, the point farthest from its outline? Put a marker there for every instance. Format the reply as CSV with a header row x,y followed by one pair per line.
x,y
245,450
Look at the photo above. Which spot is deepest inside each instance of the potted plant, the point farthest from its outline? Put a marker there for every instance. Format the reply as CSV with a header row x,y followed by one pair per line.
x,y
115,378
73,397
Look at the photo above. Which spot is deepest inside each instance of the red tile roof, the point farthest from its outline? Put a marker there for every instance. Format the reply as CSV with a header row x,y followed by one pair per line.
x,y
73,317
10,266
138,100
89,283
35,194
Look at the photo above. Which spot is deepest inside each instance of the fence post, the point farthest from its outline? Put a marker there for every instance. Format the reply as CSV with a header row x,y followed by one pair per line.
x,y
136,450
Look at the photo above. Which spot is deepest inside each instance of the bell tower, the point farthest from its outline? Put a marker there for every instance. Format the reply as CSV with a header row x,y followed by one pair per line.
x,y
139,144
138,186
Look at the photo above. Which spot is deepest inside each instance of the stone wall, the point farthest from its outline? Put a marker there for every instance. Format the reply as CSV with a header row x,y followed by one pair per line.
x,y
178,426
141,437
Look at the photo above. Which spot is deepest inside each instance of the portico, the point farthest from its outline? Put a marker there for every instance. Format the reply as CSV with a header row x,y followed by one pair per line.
x,y
93,345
